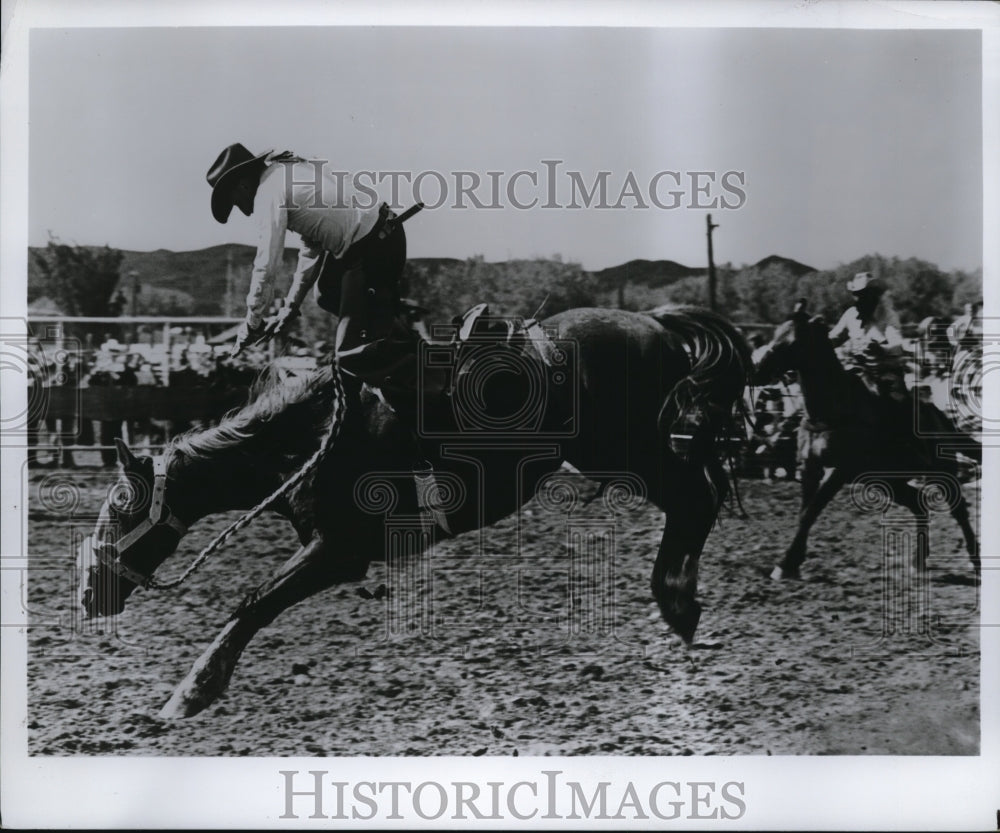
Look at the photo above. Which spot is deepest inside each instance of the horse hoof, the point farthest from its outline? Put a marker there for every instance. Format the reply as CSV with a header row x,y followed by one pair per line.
x,y
780,573
179,706
682,614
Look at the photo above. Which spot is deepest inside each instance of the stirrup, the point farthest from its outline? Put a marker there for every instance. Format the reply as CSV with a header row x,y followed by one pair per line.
x,y
427,496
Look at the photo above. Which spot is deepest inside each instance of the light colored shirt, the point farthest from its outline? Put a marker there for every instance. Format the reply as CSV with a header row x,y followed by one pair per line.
x,y
302,197
883,328
963,327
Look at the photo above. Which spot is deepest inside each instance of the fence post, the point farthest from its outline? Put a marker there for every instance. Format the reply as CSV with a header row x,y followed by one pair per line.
x,y
166,354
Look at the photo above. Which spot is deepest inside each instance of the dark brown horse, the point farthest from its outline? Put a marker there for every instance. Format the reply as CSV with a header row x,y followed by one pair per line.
x,y
610,386
850,435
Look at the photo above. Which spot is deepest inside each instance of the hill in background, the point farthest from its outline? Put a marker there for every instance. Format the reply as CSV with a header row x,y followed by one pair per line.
x,y
194,282
793,266
214,281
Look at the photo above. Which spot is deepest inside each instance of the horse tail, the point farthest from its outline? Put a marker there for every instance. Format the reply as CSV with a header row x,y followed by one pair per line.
x,y
711,394
721,365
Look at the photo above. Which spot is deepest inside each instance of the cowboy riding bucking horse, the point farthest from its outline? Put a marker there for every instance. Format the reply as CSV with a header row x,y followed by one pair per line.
x,y
353,254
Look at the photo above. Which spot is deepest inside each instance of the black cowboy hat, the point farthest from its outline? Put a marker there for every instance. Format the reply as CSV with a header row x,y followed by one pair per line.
x,y
233,160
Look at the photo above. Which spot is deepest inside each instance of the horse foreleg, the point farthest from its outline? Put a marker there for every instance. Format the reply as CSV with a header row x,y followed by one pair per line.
x,y
789,566
812,476
305,573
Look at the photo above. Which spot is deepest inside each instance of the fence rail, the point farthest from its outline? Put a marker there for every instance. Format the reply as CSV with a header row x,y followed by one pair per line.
x,y
113,404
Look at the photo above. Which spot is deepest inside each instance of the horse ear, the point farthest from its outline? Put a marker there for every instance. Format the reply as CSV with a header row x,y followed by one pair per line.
x,y
800,307
125,456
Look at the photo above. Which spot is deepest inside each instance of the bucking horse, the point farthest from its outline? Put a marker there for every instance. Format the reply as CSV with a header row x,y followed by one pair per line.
x,y
850,435
600,389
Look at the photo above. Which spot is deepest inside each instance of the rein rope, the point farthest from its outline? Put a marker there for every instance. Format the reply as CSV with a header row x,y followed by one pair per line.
x,y
336,421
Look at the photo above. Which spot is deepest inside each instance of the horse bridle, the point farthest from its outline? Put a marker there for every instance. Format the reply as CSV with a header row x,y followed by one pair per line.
x,y
109,553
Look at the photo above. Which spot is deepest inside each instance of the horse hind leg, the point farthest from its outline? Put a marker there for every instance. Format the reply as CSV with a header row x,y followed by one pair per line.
x,y
691,498
909,496
304,574
960,512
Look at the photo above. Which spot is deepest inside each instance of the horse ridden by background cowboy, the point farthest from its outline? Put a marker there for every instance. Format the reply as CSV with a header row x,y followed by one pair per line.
x,y
861,422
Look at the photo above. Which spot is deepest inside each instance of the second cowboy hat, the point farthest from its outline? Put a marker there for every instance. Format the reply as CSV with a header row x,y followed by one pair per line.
x,y
864,280
221,176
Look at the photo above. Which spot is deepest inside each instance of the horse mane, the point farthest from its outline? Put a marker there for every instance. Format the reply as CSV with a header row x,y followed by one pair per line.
x,y
270,398
822,349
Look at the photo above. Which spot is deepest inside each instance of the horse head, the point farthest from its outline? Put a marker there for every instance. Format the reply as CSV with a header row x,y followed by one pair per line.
x,y
781,354
795,343
135,532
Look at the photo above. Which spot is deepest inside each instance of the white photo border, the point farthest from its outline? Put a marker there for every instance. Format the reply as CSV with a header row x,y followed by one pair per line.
x,y
781,792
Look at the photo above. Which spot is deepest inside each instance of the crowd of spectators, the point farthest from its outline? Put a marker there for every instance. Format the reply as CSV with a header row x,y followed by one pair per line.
x,y
191,363
945,354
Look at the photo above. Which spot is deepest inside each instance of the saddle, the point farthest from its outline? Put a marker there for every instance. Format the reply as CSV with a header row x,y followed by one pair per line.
x,y
407,364
421,378
896,418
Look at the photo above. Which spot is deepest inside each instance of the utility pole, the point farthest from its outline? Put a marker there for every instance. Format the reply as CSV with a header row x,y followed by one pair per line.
x,y
135,303
230,289
712,302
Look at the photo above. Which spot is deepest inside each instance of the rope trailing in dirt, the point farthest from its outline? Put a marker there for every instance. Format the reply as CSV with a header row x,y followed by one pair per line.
x,y
336,421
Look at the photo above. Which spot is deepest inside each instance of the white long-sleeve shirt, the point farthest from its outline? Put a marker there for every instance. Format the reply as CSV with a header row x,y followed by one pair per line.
x,y
303,197
884,328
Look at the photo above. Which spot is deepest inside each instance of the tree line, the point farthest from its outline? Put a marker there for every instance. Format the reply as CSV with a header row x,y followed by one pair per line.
x,y
84,280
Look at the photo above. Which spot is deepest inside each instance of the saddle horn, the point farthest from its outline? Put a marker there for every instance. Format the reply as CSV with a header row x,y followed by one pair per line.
x,y
125,456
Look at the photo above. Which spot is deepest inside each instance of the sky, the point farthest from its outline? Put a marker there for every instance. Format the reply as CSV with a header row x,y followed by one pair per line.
x,y
838,143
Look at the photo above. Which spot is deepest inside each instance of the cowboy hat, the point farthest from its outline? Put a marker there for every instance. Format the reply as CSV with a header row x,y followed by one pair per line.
x,y
864,280
221,176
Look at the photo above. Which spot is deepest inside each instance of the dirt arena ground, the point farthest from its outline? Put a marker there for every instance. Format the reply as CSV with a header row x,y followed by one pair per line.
x,y
505,645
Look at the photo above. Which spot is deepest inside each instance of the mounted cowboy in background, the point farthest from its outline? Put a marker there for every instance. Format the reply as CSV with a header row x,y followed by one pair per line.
x,y
869,338
870,346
